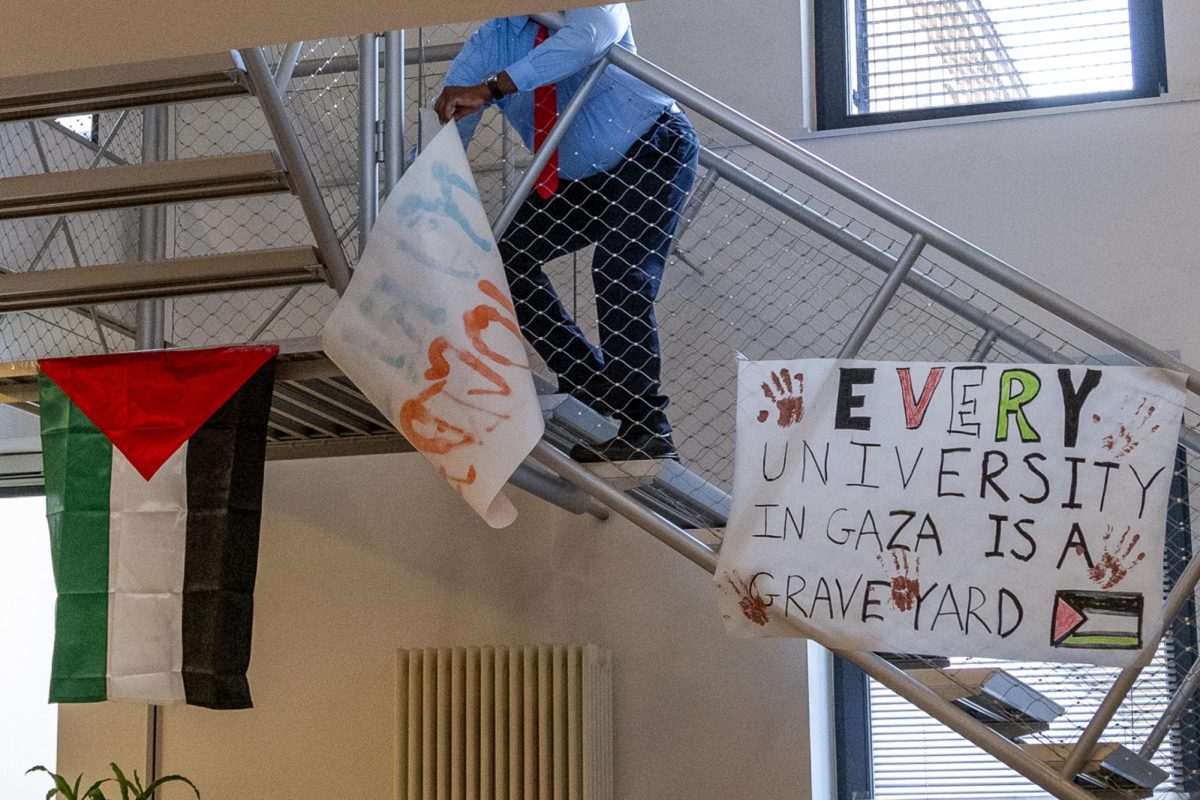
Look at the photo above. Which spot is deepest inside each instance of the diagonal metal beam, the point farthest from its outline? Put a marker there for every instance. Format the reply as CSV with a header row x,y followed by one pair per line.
x,y
33,264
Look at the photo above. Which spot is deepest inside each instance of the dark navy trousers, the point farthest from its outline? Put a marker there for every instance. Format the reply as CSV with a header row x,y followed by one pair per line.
x,y
630,213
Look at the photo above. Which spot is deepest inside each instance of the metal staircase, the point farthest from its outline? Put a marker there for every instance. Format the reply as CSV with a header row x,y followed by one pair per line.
x,y
877,281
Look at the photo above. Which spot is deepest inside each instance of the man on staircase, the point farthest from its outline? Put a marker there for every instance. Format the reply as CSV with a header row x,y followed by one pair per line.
x,y
618,181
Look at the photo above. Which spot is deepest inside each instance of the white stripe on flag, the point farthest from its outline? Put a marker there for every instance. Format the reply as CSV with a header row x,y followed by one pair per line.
x,y
147,544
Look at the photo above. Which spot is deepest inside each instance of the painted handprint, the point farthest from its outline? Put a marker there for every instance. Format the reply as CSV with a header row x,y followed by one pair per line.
x,y
1115,562
786,392
905,577
751,602
1123,440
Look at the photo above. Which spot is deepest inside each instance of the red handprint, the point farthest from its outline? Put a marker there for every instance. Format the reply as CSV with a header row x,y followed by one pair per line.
x,y
1122,442
905,584
750,601
787,396
1115,562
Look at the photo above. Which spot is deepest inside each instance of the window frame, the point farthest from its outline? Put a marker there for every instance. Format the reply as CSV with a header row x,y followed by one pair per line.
x,y
832,87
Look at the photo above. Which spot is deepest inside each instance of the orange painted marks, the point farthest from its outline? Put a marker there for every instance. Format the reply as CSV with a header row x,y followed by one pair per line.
x,y
416,417
443,418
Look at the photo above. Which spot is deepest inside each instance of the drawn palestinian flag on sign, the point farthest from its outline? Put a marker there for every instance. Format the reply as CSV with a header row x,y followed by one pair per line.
x,y
154,471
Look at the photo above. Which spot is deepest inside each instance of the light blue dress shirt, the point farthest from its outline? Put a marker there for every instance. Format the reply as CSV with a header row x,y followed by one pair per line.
x,y
620,109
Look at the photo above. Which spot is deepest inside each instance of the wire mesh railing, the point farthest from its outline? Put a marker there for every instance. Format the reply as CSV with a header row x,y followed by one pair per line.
x,y
755,258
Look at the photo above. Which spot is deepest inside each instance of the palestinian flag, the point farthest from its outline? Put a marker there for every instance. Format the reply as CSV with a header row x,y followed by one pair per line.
x,y
154,472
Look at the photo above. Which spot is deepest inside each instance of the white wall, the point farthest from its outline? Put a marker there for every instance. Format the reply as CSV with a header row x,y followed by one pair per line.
x,y
363,556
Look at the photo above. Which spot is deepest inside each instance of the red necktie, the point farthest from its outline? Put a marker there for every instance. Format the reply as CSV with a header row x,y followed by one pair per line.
x,y
545,114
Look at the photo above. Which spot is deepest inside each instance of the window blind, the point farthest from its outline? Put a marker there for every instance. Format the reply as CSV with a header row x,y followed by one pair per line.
x,y
919,54
917,758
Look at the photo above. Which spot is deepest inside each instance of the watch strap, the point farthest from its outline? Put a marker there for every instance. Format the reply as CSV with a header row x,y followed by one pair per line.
x,y
493,85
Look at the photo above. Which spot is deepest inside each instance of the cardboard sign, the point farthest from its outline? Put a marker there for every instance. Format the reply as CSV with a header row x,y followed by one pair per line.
x,y
998,510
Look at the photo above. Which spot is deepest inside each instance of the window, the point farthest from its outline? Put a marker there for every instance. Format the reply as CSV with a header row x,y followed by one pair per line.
x,y
888,749
28,735
882,61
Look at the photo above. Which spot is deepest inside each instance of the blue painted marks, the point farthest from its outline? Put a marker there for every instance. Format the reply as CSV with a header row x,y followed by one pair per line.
x,y
414,210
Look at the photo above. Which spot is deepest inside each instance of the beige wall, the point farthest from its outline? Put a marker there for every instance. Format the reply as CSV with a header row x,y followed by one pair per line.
x,y
52,35
363,556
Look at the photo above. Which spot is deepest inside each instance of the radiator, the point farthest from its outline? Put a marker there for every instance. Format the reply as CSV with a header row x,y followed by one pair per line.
x,y
504,723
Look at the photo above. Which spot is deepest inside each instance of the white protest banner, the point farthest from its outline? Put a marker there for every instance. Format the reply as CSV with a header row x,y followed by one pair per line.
x,y
428,332
997,510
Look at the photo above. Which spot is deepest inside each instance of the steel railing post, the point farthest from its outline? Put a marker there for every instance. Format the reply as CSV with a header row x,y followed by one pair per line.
x,y
393,109
287,66
150,334
152,232
300,175
984,346
368,119
508,164
883,297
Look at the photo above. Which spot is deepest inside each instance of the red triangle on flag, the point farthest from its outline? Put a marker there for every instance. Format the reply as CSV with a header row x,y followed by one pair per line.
x,y
148,404
1067,619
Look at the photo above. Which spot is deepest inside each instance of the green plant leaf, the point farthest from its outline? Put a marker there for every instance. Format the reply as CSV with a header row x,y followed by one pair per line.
x,y
60,783
149,792
93,792
122,781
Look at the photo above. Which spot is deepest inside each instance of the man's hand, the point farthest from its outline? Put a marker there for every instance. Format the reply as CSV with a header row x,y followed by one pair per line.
x,y
456,102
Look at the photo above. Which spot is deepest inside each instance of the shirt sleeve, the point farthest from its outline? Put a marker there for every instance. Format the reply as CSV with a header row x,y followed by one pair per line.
x,y
586,36
477,59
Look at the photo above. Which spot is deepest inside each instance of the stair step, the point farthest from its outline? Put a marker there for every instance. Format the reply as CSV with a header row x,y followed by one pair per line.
x,y
995,697
1114,771
170,80
684,498
572,421
180,181
915,661
24,291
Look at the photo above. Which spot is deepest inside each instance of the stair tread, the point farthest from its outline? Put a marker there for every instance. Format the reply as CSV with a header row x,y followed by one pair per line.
x,y
184,180
21,291
1111,765
121,86
991,693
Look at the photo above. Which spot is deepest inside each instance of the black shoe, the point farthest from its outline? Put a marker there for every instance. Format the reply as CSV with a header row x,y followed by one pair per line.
x,y
636,447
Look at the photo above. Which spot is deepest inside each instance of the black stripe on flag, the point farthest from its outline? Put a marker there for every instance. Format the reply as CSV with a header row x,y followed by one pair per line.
x,y
224,494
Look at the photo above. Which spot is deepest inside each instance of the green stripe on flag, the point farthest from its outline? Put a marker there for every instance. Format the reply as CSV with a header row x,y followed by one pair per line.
x,y
1115,640
77,460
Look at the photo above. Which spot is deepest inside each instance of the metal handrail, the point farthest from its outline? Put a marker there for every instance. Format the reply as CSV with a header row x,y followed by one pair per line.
x,y
300,173
1005,750
923,231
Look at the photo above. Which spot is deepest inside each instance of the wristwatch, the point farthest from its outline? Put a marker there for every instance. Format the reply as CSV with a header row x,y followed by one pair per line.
x,y
493,85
